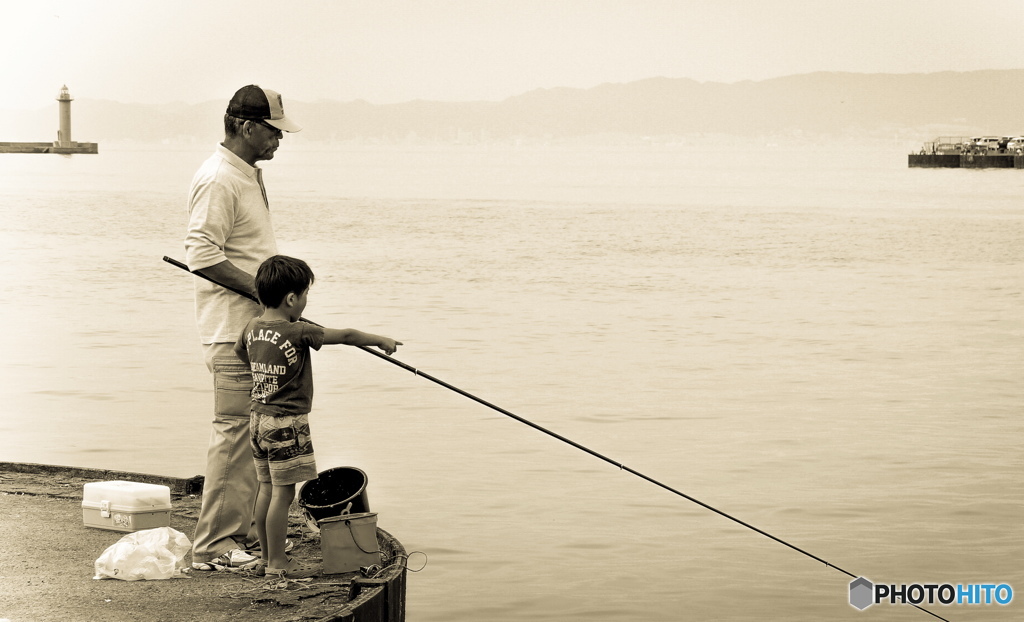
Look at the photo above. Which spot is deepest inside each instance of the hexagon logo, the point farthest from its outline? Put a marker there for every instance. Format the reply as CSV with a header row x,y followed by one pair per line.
x,y
861,593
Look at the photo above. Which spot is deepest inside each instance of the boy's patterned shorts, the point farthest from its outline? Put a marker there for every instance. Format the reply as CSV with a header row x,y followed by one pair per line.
x,y
282,448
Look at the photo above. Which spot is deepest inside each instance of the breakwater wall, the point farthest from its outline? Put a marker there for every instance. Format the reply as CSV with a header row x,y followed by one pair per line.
x,y
69,148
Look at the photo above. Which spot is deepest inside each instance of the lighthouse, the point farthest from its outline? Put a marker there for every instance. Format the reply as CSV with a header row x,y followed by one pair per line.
x,y
63,145
64,134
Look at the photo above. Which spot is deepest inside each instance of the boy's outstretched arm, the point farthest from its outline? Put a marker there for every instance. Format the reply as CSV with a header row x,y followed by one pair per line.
x,y
353,337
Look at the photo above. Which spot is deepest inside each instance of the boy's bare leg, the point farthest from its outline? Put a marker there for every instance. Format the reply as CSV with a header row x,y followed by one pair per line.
x,y
264,496
277,526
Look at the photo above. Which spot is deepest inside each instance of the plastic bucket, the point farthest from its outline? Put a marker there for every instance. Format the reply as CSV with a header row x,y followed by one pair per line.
x,y
335,492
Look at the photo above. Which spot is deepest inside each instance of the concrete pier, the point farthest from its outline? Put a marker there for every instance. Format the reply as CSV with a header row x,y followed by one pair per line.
x,y
49,564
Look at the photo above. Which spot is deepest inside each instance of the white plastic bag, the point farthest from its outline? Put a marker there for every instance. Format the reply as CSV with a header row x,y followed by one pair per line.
x,y
148,554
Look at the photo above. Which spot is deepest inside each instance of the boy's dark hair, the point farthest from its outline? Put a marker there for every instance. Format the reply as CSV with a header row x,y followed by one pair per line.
x,y
278,276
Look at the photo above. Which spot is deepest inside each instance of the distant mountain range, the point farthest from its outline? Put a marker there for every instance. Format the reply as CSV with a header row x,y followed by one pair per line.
x,y
918,106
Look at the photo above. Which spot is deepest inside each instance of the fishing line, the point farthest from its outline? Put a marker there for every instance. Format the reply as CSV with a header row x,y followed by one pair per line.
x,y
568,441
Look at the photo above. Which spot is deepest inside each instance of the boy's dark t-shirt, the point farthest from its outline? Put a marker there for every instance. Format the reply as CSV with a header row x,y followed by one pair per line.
x,y
282,371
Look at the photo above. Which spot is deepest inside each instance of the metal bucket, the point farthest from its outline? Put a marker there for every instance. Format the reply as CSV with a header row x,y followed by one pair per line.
x,y
349,543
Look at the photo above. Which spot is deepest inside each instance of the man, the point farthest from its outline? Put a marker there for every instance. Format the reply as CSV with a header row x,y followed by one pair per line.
x,y
229,235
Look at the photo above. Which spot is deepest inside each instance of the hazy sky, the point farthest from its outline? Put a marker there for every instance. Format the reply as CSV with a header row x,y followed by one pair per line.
x,y
456,50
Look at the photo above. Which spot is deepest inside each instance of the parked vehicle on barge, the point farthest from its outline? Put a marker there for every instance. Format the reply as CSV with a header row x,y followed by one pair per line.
x,y
970,152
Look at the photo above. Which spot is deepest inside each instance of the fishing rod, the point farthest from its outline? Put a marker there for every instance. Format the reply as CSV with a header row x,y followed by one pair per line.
x,y
568,441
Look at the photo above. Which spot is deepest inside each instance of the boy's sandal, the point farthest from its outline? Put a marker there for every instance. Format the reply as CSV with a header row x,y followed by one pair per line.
x,y
259,570
294,570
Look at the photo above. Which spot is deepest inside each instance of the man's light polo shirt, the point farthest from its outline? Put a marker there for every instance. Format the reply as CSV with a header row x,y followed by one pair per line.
x,y
229,218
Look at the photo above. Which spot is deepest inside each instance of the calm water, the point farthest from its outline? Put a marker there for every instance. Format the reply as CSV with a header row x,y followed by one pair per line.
x,y
826,344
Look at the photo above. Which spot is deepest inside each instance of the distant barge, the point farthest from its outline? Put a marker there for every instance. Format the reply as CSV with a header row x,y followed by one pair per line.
x,y
976,152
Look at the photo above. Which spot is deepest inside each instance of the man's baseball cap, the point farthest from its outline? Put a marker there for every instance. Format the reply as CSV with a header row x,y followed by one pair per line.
x,y
260,104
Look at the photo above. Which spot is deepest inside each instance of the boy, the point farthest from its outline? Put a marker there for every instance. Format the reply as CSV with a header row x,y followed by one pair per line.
x,y
276,347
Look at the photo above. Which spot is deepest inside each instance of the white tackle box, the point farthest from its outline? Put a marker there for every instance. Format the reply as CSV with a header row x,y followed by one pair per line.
x,y
126,506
